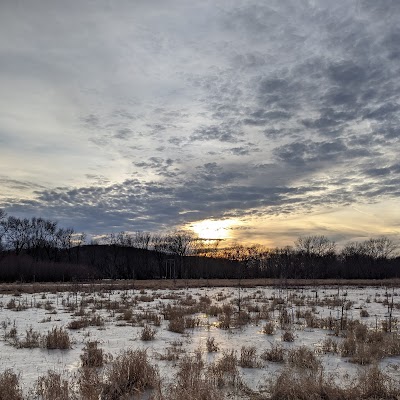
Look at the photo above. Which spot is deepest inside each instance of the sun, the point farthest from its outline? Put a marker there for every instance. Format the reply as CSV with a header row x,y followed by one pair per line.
x,y
213,229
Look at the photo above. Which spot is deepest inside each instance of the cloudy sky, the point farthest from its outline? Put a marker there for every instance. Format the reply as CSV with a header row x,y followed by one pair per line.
x,y
278,118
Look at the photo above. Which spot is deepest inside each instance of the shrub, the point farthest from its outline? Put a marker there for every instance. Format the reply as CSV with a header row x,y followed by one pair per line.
x,y
248,357
147,333
9,386
191,323
288,336
364,313
225,370
268,328
89,384
192,382
92,356
52,387
31,340
57,338
177,325
129,374
303,358
78,323
275,354
211,345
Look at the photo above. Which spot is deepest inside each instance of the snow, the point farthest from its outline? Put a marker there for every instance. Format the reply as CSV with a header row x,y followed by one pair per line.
x,y
118,335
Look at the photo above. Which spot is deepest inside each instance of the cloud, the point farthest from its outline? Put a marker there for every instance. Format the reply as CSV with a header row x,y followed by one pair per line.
x,y
114,115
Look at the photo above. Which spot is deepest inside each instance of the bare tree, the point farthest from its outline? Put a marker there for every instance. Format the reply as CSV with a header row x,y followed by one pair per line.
x,y
142,240
315,246
180,244
380,248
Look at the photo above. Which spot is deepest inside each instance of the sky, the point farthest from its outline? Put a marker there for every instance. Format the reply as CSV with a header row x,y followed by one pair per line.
x,y
258,121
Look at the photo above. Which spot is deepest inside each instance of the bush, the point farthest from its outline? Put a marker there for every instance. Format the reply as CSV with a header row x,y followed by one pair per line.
x,y
192,382
57,338
177,325
225,371
211,345
248,357
89,384
303,358
31,340
51,387
129,374
9,386
92,356
288,336
275,354
268,328
147,333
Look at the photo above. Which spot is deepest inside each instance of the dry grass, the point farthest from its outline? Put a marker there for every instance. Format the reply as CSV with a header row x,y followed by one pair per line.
x,y
288,336
177,325
92,356
129,374
193,382
268,328
9,386
57,338
303,358
147,333
52,386
98,286
275,354
211,345
89,384
225,371
248,357
31,340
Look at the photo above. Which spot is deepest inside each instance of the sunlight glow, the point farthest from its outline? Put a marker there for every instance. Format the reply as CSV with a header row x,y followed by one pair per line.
x,y
213,229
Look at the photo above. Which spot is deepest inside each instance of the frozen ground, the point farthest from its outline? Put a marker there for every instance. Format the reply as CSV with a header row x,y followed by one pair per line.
x,y
44,311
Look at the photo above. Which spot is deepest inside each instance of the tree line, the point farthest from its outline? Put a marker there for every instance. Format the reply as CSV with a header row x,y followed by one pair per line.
x,y
39,249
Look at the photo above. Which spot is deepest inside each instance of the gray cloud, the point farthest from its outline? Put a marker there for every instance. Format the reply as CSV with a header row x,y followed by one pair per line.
x,y
199,110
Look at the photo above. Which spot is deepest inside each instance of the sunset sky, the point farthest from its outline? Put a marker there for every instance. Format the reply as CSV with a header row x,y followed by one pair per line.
x,y
267,119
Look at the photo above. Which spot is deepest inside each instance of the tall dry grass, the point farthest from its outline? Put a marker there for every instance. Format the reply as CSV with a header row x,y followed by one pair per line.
x,y
9,386
129,374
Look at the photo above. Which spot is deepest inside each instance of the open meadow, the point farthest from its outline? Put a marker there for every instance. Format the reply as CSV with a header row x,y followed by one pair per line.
x,y
181,342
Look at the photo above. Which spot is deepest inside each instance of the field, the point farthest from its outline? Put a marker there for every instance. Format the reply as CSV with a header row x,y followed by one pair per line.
x,y
211,342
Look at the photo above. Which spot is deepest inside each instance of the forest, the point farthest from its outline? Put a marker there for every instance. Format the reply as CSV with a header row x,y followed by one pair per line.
x,y
38,249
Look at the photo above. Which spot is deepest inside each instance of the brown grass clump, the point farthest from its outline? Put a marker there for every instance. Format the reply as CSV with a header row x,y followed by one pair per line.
x,y
374,384
89,384
297,385
193,382
268,328
225,371
303,358
275,354
92,356
31,340
329,345
191,323
95,320
177,325
288,336
57,338
211,345
78,324
248,357
9,386
147,333
51,387
130,373
364,313
171,354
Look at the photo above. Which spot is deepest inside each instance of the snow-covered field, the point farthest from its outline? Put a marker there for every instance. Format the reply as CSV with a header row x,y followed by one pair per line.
x,y
311,314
